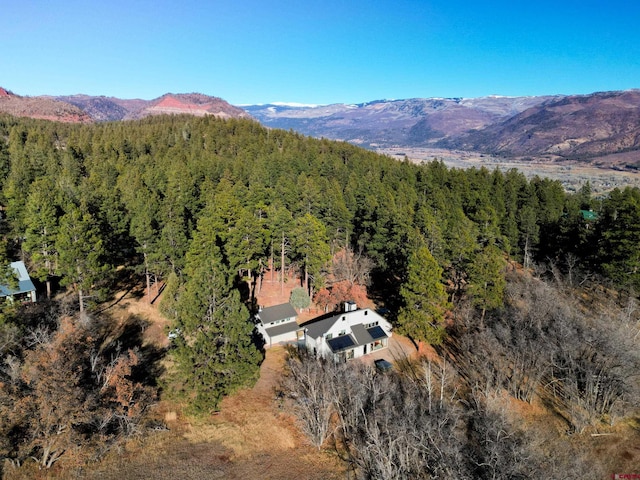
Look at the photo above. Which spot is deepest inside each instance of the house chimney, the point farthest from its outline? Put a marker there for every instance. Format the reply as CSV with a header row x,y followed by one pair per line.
x,y
350,306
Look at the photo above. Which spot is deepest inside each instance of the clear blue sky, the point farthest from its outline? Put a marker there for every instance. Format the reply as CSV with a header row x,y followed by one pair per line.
x,y
325,51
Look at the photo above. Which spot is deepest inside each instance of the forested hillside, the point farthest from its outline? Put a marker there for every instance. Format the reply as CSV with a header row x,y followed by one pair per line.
x,y
206,206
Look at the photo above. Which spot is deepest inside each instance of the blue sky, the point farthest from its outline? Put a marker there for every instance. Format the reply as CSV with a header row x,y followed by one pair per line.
x,y
329,51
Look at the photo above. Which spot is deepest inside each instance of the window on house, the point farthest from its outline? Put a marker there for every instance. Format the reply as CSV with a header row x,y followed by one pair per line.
x,y
329,336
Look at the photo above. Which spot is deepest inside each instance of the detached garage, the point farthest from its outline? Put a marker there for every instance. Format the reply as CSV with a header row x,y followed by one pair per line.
x,y
277,324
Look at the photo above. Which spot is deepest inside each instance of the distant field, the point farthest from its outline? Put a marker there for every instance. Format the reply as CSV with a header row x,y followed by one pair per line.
x,y
573,175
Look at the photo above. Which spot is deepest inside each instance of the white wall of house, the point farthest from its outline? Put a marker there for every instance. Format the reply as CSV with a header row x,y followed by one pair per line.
x,y
277,324
343,326
282,339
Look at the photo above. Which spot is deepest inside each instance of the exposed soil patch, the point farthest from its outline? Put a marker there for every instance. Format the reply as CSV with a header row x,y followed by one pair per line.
x,y
273,292
261,435
251,437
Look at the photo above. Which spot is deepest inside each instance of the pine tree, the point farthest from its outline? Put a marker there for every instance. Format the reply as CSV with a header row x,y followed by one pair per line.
x,y
280,223
245,247
422,316
311,248
215,352
619,237
299,298
486,279
41,223
80,252
143,229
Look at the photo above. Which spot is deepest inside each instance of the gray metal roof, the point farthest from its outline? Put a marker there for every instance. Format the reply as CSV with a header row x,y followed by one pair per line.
x,y
361,334
277,312
316,328
24,281
282,329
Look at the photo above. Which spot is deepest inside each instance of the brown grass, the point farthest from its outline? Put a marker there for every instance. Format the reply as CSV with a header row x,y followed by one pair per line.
x,y
250,437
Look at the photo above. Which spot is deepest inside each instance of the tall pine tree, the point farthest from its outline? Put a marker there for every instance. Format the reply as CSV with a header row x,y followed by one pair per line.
x,y
422,316
41,223
80,251
215,353
486,279
311,247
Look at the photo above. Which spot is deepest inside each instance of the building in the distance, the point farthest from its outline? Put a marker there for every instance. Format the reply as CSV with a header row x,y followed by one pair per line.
x,y
23,290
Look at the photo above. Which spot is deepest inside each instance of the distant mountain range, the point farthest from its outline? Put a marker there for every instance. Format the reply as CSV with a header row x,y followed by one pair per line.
x,y
579,127
41,107
112,109
86,108
388,123
600,128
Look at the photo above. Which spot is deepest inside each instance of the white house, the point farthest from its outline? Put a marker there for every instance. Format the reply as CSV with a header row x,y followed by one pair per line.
x,y
350,334
277,324
25,291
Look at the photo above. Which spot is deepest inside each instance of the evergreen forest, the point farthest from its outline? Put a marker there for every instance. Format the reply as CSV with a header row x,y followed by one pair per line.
x,y
520,286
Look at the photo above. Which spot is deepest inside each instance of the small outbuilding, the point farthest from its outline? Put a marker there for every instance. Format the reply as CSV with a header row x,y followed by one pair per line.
x,y
25,291
278,324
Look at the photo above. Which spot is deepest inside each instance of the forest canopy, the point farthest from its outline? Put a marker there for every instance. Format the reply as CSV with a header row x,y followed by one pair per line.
x,y
135,191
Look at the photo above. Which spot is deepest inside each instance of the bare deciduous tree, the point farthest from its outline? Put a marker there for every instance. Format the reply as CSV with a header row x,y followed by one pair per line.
x,y
354,268
73,386
309,383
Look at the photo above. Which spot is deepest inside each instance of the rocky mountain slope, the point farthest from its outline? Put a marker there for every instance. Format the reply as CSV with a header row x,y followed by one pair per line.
x,y
572,127
86,108
113,109
386,123
40,107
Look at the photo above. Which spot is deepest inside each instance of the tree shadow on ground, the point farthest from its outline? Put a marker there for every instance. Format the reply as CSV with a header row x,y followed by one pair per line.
x,y
128,334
